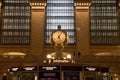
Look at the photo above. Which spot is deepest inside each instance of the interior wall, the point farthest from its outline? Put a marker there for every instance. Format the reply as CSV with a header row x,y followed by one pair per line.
x,y
82,31
37,31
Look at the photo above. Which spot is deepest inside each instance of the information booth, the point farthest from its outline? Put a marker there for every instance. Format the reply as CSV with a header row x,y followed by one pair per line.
x,y
23,73
49,73
71,72
96,73
58,72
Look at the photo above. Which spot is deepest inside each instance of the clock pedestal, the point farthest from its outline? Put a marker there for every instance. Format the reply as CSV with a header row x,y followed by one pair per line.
x,y
58,47
59,40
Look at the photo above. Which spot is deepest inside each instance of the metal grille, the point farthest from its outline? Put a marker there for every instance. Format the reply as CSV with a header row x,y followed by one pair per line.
x,y
15,29
60,12
104,23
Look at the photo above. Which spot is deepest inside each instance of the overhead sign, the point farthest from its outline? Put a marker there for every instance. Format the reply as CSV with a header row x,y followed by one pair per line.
x,y
74,68
48,68
29,68
14,69
61,61
89,68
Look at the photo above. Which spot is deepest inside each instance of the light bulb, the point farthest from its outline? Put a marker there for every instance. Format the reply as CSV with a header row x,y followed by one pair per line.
x,y
69,56
48,56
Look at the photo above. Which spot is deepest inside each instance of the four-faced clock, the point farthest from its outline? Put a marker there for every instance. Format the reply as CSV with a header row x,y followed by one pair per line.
x,y
59,37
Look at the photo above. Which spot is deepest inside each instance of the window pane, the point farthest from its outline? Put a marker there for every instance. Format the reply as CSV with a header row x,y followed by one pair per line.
x,y
104,22
15,28
60,12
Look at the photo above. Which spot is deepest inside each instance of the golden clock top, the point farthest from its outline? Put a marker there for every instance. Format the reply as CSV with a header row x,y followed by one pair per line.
x,y
59,27
59,38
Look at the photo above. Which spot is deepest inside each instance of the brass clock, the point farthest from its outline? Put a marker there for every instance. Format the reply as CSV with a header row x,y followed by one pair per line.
x,y
59,37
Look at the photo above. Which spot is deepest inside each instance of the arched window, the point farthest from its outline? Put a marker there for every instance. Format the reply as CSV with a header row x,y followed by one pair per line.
x,y
104,23
60,12
16,18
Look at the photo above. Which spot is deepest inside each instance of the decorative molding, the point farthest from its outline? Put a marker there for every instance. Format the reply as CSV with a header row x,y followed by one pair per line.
x,y
38,6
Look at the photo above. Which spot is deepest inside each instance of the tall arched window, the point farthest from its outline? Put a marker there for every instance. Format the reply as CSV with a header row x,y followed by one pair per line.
x,y
104,23
16,18
60,12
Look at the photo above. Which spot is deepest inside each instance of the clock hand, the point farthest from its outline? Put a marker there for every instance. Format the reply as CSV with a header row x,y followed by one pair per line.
x,y
59,35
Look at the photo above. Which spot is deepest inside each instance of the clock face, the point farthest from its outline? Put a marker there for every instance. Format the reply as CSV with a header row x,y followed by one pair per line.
x,y
58,37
